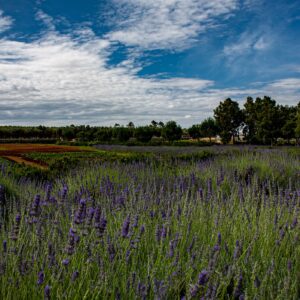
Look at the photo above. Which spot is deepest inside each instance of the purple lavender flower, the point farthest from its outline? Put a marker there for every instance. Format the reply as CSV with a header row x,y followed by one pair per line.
x,y
194,290
101,226
203,277
111,251
75,275
16,228
4,246
135,221
41,278
125,227
163,232
18,219
238,292
72,240
35,209
171,248
142,229
47,292
294,223
65,261
219,238
158,233
237,250
48,191
81,213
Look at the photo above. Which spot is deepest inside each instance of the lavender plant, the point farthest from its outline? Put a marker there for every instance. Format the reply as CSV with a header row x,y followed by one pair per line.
x,y
226,227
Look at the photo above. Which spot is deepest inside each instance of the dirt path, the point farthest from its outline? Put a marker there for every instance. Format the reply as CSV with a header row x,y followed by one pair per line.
x,y
27,161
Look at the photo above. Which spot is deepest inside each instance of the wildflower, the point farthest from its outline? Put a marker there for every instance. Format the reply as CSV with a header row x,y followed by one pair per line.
x,y
65,262
135,222
72,240
47,292
237,250
142,229
101,225
125,227
171,248
194,290
80,214
4,246
294,223
75,275
16,228
203,277
35,209
111,251
238,293
41,277
48,191
158,233
219,238
163,232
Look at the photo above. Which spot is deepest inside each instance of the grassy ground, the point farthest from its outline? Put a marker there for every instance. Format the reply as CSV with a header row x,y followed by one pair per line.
x,y
221,223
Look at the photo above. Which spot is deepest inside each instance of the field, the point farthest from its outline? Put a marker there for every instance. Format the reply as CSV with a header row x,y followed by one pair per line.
x,y
151,223
20,153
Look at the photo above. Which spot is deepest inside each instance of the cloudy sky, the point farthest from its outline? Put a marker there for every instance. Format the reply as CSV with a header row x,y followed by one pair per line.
x,y
102,62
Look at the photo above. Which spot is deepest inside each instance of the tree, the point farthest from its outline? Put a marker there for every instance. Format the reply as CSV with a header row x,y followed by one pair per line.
x,y
122,134
228,117
297,129
171,131
288,116
153,123
209,128
143,133
130,125
250,119
268,122
194,131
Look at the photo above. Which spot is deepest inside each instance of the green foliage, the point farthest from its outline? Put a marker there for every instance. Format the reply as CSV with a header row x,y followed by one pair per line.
x,y
195,131
228,117
144,133
171,131
297,130
122,134
209,128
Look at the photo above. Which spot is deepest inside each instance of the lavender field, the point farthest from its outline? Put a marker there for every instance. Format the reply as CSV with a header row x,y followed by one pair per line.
x,y
221,226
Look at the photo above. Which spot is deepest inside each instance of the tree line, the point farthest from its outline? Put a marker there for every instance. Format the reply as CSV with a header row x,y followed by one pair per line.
x,y
259,121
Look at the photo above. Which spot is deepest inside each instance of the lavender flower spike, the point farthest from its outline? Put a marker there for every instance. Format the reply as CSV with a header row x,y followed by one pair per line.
x,y
47,292
41,277
125,227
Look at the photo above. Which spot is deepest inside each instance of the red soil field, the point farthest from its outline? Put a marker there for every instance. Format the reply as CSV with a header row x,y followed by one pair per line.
x,y
15,152
18,149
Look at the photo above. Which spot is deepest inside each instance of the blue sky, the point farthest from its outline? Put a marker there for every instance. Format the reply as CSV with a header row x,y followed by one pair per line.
x,y
102,62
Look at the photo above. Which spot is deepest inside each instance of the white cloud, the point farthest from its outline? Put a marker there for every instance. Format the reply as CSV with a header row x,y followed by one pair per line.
x,y
165,24
288,84
247,43
63,79
5,22
46,19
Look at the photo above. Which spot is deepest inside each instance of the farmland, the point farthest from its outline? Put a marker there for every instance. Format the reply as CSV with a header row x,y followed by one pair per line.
x,y
151,223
